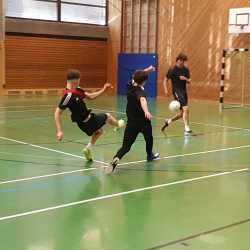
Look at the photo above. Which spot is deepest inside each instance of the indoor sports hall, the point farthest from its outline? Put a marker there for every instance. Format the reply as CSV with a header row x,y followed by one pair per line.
x,y
119,60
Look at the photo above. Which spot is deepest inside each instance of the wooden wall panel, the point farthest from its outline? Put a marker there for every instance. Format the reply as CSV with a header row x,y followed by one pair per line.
x,y
200,29
114,40
35,62
2,45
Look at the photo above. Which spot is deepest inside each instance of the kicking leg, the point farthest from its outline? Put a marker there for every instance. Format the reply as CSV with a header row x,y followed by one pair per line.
x,y
173,119
113,122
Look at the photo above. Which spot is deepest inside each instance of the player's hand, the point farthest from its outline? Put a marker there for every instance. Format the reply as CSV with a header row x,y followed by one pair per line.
x,y
59,135
151,68
148,115
183,78
107,86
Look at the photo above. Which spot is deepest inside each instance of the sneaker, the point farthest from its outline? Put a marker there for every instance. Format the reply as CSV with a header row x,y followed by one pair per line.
x,y
121,123
153,157
87,154
111,167
188,132
165,125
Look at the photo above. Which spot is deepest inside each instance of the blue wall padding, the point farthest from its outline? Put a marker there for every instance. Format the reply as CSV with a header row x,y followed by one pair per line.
x,y
128,63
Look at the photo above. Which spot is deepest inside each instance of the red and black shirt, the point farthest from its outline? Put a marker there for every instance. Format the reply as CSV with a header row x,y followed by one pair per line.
x,y
74,100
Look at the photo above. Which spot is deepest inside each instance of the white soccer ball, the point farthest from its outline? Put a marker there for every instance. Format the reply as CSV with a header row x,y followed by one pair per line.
x,y
174,105
121,123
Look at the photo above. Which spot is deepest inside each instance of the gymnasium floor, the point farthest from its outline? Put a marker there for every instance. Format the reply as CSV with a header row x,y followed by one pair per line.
x,y
197,196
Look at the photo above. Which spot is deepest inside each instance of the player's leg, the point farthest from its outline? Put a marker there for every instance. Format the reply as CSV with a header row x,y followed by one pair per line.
x,y
185,107
87,150
178,116
114,122
130,135
186,120
148,136
93,128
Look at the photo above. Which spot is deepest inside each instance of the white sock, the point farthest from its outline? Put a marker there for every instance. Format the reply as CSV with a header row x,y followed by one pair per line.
x,y
169,121
89,146
187,128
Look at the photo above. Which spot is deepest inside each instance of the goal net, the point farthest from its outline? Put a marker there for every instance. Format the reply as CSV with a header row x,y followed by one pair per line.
x,y
235,78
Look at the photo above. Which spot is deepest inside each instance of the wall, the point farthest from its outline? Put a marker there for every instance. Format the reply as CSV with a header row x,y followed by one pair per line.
x,y
2,46
114,40
27,26
200,29
39,62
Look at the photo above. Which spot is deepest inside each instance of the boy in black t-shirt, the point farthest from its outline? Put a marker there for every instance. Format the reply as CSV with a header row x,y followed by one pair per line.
x,y
139,119
179,77
88,122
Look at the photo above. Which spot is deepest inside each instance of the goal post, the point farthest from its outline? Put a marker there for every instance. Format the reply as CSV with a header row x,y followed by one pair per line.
x,y
235,78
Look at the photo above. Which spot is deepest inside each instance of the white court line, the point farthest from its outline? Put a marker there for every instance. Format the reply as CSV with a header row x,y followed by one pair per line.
x,y
26,106
23,111
162,118
122,164
48,149
110,196
118,112
210,124
189,154
46,176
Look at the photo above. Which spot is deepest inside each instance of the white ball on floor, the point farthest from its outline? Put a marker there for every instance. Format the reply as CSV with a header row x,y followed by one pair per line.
x,y
174,105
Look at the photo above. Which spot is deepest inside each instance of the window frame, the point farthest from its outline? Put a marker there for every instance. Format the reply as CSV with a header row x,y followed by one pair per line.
x,y
59,12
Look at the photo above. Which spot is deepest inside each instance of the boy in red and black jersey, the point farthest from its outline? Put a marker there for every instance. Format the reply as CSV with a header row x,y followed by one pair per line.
x,y
87,121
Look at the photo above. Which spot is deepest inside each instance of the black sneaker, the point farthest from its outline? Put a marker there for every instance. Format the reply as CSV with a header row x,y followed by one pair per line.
x,y
153,157
165,125
111,167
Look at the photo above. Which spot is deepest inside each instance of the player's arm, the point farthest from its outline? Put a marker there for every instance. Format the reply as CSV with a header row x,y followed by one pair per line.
x,y
166,83
59,133
144,105
99,92
184,78
149,69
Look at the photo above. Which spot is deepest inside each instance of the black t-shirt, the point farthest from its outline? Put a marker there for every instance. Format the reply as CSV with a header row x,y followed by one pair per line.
x,y
74,100
174,74
134,110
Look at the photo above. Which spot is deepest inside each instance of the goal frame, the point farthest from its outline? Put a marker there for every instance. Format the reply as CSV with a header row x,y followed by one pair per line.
x,y
225,54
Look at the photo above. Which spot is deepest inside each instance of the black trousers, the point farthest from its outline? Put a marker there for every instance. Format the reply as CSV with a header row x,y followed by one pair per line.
x,y
131,132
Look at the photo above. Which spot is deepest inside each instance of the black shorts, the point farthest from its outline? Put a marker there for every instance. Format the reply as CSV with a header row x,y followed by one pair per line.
x,y
182,97
95,122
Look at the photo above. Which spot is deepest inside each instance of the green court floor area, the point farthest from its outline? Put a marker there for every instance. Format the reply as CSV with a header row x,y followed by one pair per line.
x,y
195,197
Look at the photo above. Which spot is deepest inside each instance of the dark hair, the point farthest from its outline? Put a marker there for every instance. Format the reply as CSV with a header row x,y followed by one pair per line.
x,y
182,57
73,74
140,76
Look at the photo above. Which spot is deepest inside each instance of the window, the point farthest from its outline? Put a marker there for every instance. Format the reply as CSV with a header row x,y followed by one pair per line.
x,y
32,9
77,11
84,11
